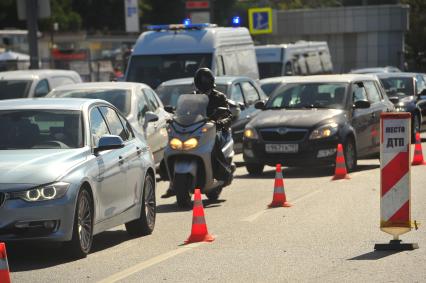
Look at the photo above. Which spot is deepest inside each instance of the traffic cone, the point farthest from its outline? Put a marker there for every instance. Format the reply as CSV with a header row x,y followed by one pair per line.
x,y
4,267
279,199
418,152
340,171
199,231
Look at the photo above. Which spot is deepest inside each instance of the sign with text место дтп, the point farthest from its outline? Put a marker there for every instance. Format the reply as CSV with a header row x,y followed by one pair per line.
x,y
260,20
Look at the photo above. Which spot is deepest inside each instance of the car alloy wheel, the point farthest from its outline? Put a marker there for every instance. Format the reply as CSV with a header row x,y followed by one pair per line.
x,y
84,223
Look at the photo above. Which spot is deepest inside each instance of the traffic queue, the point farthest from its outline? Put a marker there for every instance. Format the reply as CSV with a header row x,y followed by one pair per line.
x,y
84,157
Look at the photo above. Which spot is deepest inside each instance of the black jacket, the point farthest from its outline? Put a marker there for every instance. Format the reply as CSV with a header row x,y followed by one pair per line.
x,y
218,99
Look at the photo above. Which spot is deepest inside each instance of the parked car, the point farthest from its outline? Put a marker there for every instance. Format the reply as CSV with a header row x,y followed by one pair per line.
x,y
137,102
34,83
243,90
70,169
302,122
388,69
407,91
268,85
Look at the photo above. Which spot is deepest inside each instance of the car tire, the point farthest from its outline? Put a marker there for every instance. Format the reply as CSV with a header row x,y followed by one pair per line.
x,y
350,153
183,186
254,169
415,128
214,195
82,236
144,225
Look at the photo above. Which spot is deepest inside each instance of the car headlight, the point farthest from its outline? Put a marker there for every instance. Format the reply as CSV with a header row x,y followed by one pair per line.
x,y
43,193
176,144
324,131
190,144
250,133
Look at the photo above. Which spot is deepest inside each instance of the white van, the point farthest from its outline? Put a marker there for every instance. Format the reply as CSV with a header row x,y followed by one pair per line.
x,y
34,83
176,51
298,59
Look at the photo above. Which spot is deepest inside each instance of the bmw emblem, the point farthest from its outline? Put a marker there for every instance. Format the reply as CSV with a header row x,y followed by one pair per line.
x,y
282,131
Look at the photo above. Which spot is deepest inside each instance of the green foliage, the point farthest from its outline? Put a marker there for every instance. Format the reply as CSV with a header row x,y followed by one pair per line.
x,y
62,13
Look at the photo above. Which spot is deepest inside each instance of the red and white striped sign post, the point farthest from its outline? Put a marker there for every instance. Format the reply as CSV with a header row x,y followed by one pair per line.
x,y
395,207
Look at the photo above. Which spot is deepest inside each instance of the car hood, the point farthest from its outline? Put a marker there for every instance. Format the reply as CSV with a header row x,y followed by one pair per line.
x,y
37,166
304,118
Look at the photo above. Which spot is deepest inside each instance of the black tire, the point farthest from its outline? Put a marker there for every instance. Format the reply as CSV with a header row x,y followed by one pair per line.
x,y
255,169
350,153
183,188
415,127
144,225
82,236
214,195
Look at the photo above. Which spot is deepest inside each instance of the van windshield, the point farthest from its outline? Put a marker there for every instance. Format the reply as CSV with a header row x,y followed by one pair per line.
x,y
155,69
270,69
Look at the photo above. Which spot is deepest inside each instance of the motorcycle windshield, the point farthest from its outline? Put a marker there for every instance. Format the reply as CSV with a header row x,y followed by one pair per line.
x,y
191,109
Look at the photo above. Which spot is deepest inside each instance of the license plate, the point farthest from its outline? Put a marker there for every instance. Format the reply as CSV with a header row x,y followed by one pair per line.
x,y
283,148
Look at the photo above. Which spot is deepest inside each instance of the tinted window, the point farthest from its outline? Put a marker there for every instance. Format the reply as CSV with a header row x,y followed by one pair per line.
x,y
398,85
41,89
14,89
142,105
41,129
269,69
127,127
236,93
268,88
98,126
155,69
120,98
152,101
373,92
114,123
309,95
359,92
250,93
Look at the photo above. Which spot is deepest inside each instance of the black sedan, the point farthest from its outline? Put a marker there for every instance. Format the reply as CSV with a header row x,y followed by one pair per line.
x,y
303,121
407,91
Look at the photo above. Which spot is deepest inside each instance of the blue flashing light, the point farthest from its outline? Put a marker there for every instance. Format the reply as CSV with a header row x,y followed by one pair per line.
x,y
180,26
187,21
236,21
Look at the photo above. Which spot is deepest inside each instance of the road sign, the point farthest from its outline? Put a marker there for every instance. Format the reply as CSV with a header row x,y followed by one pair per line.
x,y
260,20
131,11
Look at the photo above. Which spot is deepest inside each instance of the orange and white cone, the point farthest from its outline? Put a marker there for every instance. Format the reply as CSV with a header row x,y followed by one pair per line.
x,y
199,231
340,172
279,199
418,152
4,267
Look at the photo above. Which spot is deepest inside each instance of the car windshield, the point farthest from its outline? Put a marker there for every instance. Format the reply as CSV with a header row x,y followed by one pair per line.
x,y
398,85
268,70
191,109
268,88
155,69
40,129
10,89
120,98
309,95
169,94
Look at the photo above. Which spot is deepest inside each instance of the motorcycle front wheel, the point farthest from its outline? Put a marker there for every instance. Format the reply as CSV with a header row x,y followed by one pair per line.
x,y
183,187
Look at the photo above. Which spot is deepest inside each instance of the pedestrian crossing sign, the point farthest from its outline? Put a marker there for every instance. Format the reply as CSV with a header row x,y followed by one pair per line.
x,y
260,20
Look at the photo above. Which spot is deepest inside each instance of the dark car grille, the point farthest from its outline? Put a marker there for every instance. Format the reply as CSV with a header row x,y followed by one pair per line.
x,y
283,134
2,198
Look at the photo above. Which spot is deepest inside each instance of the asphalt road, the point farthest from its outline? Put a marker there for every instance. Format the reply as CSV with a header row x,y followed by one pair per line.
x,y
328,235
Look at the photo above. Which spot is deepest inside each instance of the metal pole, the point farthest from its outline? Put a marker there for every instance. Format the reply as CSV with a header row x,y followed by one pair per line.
x,y
32,26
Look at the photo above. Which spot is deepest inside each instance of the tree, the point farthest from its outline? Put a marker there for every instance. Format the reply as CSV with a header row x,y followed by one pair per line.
x,y
62,13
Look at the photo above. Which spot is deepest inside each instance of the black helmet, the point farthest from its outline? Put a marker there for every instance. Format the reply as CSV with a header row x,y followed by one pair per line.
x,y
204,80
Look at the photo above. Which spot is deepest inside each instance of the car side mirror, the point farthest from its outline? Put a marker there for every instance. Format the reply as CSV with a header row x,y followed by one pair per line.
x,y
260,105
242,106
423,93
362,104
170,109
107,142
150,117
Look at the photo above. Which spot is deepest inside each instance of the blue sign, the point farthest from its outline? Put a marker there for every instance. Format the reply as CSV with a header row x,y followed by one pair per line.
x,y
260,20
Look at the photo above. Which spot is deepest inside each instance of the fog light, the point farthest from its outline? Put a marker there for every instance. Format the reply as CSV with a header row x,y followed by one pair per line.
x,y
248,153
326,152
49,224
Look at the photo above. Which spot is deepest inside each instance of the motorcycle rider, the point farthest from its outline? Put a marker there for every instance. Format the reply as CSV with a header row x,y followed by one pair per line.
x,y
204,82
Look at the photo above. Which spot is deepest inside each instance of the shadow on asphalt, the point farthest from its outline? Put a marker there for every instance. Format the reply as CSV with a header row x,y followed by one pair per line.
x,y
33,256
172,207
374,255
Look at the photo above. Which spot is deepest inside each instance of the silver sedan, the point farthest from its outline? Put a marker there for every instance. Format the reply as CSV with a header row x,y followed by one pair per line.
x,y
70,169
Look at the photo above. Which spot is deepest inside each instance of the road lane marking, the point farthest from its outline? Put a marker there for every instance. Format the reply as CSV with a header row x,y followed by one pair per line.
x,y
148,263
253,217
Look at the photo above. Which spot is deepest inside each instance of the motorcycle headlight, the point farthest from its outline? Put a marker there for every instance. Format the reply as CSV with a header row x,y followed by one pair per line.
x,y
250,133
324,131
176,144
190,144
48,192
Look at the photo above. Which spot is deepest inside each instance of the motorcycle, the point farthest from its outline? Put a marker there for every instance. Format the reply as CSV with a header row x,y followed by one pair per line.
x,y
188,155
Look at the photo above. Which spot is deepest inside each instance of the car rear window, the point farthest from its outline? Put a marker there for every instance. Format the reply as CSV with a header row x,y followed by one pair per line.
x,y
10,89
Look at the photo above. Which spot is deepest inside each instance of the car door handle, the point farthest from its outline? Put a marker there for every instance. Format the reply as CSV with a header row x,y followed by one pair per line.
x,y
120,160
